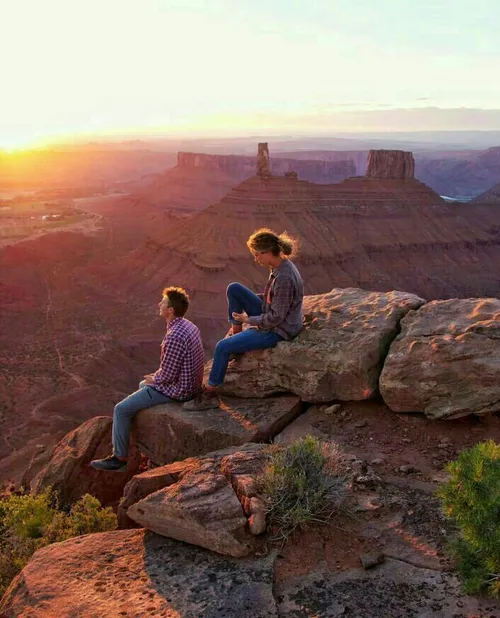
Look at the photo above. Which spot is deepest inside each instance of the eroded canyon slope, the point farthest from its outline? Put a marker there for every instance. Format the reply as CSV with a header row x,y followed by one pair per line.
x,y
383,231
78,311
199,180
491,196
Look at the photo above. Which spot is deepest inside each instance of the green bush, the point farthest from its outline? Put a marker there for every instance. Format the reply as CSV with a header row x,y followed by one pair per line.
x,y
472,499
31,521
302,485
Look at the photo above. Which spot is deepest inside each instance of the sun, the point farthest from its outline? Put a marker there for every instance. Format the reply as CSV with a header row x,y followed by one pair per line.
x,y
11,145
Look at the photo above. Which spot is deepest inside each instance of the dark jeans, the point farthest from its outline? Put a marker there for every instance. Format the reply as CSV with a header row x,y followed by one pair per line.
x,y
240,298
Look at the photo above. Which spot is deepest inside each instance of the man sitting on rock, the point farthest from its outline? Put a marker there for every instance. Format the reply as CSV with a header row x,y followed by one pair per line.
x,y
178,378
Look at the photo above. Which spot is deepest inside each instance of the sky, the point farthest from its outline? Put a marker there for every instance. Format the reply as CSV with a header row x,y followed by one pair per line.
x,y
76,68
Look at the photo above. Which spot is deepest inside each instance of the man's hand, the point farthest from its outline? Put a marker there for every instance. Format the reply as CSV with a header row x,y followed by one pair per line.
x,y
149,378
241,317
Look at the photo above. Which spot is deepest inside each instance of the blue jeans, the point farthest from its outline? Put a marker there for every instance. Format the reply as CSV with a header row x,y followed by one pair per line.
x,y
125,412
240,298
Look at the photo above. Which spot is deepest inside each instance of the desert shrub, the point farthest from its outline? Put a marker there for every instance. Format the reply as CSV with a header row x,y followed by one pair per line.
x,y
471,498
31,521
302,485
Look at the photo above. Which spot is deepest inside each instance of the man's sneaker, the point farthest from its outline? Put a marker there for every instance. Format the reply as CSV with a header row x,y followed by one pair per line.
x,y
206,400
111,463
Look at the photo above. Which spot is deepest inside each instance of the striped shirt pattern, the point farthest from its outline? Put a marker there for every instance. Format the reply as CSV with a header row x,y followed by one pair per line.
x,y
180,373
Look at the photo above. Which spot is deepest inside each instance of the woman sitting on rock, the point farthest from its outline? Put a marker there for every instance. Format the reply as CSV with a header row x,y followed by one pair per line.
x,y
275,315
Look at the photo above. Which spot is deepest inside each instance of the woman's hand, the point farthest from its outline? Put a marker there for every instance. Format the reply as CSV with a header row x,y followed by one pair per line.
x,y
241,317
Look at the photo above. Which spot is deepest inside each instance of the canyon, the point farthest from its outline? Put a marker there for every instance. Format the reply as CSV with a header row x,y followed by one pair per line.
x,y
382,231
199,180
491,196
78,310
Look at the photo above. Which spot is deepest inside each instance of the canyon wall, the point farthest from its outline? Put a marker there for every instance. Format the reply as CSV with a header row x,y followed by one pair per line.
x,y
244,167
463,175
491,196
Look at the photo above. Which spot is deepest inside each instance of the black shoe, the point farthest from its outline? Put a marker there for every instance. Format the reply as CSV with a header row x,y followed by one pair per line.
x,y
111,463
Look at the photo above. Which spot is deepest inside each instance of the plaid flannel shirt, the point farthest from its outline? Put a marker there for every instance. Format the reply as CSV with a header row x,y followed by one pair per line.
x,y
282,302
180,373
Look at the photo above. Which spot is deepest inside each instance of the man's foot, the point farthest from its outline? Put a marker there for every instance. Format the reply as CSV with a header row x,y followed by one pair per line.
x,y
111,463
206,400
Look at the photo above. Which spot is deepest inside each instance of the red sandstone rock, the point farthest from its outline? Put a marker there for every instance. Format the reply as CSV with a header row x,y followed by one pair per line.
x,y
167,433
390,164
200,180
338,355
263,161
446,361
68,470
137,573
86,308
377,234
204,501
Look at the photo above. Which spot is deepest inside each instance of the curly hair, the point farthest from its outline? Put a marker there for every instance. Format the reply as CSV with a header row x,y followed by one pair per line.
x,y
266,240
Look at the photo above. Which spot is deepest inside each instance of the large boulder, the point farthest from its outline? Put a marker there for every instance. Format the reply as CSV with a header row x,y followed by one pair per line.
x,y
136,573
212,501
167,433
338,355
446,361
68,470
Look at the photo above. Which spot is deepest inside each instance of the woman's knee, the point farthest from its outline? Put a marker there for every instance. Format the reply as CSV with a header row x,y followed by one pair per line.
x,y
234,288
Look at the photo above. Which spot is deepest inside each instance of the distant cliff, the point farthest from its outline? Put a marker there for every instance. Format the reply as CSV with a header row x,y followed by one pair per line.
x,y
242,167
492,196
460,174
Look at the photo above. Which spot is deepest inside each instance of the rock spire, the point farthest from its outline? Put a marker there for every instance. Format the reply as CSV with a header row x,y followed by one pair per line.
x,y
263,169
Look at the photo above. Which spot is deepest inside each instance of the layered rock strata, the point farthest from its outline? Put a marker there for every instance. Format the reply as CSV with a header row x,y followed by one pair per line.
x,y
243,167
200,180
446,361
390,164
212,501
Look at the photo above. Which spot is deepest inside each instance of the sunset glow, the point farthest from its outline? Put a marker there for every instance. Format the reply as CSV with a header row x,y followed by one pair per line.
x,y
79,69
